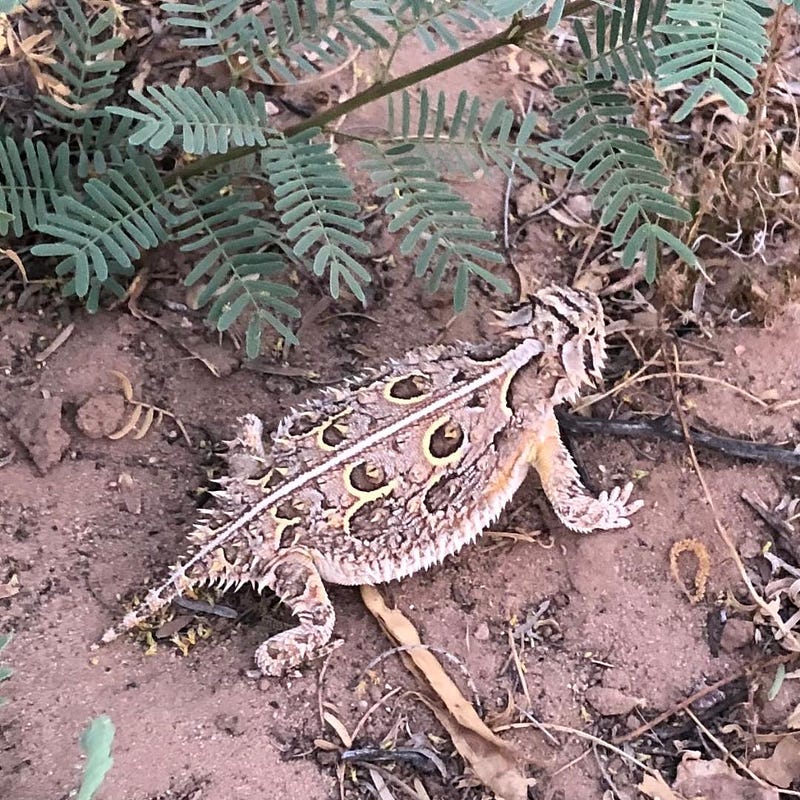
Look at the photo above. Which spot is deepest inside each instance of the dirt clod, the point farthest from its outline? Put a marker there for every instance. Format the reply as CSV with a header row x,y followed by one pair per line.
x,y
529,198
100,415
37,425
230,724
610,702
736,634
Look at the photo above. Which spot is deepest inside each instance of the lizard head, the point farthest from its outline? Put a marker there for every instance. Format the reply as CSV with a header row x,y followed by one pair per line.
x,y
569,324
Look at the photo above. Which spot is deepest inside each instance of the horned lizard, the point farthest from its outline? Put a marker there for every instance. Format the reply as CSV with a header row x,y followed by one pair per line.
x,y
398,467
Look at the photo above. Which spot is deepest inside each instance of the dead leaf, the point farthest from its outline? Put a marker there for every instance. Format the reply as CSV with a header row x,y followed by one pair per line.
x,y
783,766
529,198
339,727
129,425
10,588
420,790
524,63
11,255
567,220
715,780
149,416
324,744
380,785
492,760
55,344
657,788
125,383
499,719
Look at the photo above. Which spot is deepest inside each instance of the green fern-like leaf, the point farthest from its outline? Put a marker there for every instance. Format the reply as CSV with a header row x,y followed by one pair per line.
x,y
345,17
204,122
618,158
299,28
88,68
502,9
439,224
214,25
99,237
721,42
624,40
459,139
103,145
316,201
556,14
434,22
32,182
242,258
528,8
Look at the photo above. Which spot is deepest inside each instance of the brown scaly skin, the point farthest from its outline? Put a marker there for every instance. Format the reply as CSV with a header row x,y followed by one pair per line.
x,y
397,468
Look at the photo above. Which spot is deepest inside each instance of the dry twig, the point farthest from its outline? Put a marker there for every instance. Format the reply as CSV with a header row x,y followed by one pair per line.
x,y
666,427
699,695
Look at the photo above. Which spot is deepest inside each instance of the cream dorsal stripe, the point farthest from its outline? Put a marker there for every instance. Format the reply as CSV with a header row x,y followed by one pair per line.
x,y
509,362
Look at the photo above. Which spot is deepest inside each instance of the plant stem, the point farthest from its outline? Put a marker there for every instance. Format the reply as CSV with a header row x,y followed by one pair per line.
x,y
514,34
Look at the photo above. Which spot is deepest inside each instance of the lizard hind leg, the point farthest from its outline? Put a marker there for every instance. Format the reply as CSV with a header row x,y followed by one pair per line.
x,y
295,579
571,501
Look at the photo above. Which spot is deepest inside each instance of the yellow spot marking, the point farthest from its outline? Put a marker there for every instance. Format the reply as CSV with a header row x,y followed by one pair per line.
x,y
281,523
265,480
504,404
449,433
362,498
219,564
404,401
331,421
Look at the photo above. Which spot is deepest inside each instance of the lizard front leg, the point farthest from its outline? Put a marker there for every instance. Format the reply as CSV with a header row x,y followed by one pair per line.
x,y
571,501
246,456
295,579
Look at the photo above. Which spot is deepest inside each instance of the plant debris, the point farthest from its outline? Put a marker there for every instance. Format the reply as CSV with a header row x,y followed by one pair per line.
x,y
698,549
492,760
143,415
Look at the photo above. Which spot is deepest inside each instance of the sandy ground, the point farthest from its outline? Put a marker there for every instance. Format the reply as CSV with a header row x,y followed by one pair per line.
x,y
86,522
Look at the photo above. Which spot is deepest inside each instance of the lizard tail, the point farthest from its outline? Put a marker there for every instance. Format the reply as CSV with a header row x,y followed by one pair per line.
x,y
154,601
